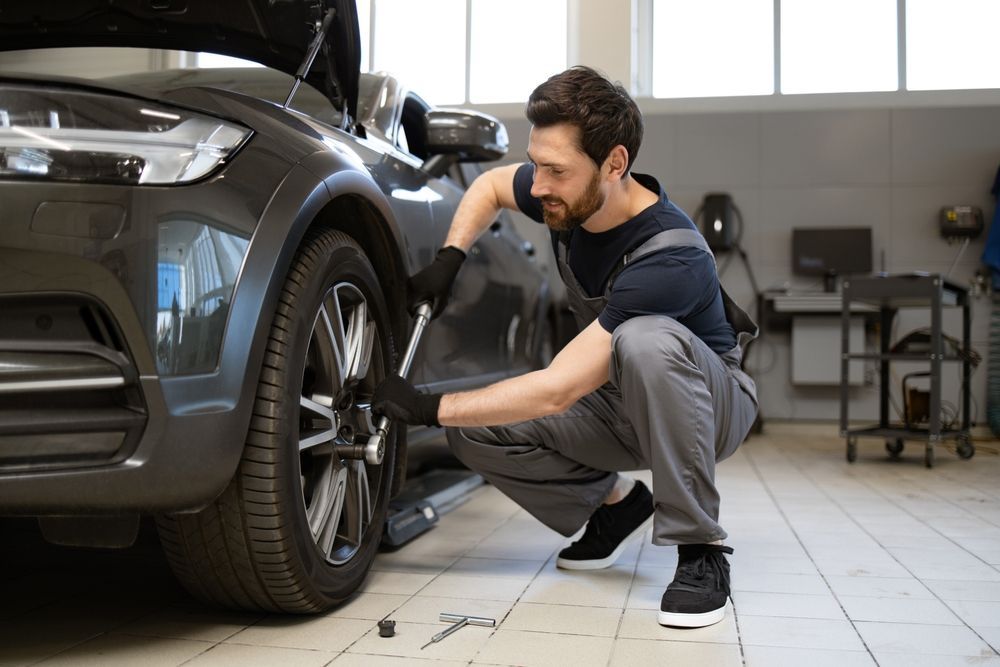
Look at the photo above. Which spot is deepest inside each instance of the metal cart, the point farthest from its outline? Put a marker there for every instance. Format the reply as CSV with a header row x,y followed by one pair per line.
x,y
890,293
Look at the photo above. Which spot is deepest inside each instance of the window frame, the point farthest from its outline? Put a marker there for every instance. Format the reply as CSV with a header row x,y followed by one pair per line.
x,y
369,49
639,78
902,95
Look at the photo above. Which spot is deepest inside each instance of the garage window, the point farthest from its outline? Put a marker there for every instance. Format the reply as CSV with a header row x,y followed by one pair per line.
x,y
722,48
952,45
838,47
709,48
458,51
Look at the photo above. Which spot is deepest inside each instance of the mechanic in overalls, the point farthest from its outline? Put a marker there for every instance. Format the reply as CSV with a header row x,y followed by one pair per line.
x,y
653,381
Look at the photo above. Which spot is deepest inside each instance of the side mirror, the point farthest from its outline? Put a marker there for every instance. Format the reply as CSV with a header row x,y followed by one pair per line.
x,y
459,135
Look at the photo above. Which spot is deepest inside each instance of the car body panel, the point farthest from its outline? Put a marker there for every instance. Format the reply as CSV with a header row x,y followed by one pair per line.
x,y
293,172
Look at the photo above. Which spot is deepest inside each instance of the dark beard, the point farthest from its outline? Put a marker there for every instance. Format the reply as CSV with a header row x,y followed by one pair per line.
x,y
589,203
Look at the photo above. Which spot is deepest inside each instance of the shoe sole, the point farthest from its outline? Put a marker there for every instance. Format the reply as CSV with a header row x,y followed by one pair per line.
x,y
608,561
677,620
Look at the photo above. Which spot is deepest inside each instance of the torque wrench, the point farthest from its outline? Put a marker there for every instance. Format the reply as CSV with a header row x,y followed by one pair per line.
x,y
375,449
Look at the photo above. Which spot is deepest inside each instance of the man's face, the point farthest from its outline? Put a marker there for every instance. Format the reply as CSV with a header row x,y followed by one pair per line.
x,y
566,179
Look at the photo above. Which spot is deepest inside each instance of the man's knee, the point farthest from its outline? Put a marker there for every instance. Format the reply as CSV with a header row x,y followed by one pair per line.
x,y
640,341
464,440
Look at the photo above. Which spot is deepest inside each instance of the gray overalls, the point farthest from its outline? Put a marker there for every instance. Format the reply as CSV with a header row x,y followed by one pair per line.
x,y
671,405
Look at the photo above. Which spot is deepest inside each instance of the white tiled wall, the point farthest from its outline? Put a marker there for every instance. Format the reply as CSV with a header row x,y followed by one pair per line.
x,y
890,169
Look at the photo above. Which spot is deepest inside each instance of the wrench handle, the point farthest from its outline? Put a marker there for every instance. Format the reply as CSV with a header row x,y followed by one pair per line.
x,y
375,448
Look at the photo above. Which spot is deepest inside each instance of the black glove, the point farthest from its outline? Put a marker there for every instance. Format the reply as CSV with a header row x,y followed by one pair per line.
x,y
434,282
399,400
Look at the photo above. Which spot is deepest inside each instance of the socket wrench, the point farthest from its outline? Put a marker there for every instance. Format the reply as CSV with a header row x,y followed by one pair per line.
x,y
375,448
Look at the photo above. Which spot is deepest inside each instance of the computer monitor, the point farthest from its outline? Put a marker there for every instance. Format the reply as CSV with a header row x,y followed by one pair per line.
x,y
831,252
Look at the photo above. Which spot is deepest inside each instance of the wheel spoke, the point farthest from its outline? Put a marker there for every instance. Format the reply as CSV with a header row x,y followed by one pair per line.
x,y
360,339
333,328
324,413
329,514
360,499
367,348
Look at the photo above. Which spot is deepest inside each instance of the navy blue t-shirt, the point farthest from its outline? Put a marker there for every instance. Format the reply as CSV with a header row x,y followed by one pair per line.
x,y
679,282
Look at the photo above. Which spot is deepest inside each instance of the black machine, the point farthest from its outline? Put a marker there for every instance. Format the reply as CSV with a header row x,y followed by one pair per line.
x,y
961,222
719,217
831,252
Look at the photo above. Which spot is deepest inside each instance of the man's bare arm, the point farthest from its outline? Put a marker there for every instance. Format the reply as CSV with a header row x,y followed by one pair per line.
x,y
580,368
490,192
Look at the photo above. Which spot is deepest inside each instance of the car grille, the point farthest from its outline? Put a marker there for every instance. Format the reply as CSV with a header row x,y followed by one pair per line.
x,y
69,390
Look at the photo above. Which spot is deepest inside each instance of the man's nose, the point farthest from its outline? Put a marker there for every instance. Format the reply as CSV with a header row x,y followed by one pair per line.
x,y
538,187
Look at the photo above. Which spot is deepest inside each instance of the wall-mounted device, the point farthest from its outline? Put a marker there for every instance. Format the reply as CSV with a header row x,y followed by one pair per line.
x,y
831,252
961,222
719,217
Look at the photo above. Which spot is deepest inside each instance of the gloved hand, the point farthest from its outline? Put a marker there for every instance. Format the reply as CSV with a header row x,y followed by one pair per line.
x,y
399,400
434,282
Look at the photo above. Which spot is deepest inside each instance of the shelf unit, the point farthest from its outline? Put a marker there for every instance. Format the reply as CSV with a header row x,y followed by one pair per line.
x,y
889,293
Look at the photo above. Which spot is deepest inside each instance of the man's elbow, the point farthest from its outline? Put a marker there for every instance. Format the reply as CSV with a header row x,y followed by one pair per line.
x,y
558,397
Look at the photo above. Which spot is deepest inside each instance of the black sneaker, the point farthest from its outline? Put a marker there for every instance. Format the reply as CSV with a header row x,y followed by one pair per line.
x,y
609,530
697,595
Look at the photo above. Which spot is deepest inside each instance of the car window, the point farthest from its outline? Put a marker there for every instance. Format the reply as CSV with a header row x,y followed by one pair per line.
x,y
412,126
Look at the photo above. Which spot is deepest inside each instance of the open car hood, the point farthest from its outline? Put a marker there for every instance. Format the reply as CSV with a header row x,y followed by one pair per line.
x,y
275,33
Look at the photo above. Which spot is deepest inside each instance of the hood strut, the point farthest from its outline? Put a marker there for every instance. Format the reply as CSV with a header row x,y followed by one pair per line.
x,y
314,48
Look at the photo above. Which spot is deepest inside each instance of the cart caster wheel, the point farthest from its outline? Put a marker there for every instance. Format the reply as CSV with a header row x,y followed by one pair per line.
x,y
965,449
852,450
894,447
929,457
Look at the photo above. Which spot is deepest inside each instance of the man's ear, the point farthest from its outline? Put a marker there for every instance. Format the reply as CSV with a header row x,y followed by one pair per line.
x,y
617,162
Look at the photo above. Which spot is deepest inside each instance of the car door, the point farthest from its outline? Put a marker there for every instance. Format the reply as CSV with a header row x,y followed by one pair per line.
x,y
466,345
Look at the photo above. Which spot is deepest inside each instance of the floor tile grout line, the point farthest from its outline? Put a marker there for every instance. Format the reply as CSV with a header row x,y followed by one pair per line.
x,y
739,635
767,488
98,634
434,578
888,499
985,491
864,482
628,594
923,486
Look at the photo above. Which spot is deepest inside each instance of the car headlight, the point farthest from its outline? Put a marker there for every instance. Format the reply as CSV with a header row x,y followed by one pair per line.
x,y
69,135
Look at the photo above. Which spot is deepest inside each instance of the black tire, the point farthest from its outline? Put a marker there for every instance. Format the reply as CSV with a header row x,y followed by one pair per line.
x,y
852,450
894,447
293,532
965,447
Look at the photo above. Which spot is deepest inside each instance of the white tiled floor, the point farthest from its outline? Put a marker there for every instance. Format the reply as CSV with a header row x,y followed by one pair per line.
x,y
836,564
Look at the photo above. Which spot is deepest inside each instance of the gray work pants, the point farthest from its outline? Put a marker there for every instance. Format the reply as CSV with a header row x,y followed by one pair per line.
x,y
671,405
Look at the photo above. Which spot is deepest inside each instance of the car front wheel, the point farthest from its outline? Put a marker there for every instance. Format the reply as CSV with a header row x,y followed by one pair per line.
x,y
297,528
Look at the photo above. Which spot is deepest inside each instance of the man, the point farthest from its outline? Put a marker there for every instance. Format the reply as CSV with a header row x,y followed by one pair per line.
x,y
653,380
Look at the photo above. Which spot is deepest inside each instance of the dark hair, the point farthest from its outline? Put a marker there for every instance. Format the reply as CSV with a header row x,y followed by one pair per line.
x,y
603,110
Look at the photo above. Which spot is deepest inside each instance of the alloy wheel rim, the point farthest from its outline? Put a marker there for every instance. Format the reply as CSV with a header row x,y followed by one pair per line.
x,y
341,370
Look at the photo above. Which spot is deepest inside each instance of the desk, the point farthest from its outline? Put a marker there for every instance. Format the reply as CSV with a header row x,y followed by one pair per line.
x,y
814,321
777,308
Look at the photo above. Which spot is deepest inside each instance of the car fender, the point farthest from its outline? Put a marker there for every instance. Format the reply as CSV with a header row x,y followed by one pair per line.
x,y
297,203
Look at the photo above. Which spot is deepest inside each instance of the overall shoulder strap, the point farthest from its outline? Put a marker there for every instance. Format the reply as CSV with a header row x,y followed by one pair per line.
x,y
669,238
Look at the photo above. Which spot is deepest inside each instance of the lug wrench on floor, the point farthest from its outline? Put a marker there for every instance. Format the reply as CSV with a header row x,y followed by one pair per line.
x,y
375,449
459,621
